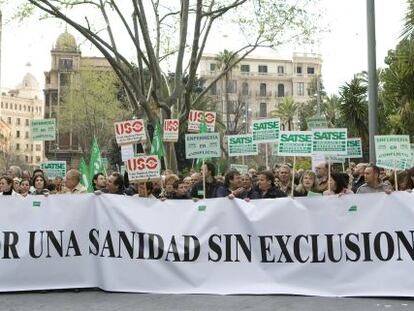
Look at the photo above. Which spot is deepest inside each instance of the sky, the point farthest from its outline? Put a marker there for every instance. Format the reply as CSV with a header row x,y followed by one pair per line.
x,y
343,48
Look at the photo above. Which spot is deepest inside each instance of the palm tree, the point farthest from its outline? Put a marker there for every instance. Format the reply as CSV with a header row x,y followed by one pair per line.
x,y
354,108
331,108
287,110
225,60
408,28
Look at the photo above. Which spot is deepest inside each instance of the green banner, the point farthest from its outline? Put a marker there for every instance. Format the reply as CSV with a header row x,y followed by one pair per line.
x,y
329,141
266,130
295,143
393,151
44,130
239,145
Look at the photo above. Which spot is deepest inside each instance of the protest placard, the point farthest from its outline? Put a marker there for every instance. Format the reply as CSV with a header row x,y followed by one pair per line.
x,y
143,168
54,169
171,128
242,169
295,143
266,130
329,141
44,130
196,116
206,145
127,152
239,145
354,148
131,131
393,151
316,123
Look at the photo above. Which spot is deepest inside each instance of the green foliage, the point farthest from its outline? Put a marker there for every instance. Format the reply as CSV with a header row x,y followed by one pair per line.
x,y
287,111
90,108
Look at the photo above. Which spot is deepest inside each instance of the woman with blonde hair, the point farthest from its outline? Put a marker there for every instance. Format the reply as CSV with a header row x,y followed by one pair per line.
x,y
307,184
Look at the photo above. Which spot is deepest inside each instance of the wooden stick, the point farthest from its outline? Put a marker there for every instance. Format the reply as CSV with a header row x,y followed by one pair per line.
x,y
243,160
329,174
293,176
343,167
396,179
267,157
204,180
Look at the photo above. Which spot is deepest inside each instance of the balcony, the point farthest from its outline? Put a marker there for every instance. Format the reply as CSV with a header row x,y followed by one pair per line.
x,y
263,94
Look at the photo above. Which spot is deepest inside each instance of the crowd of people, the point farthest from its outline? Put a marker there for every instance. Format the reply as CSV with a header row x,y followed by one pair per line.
x,y
276,183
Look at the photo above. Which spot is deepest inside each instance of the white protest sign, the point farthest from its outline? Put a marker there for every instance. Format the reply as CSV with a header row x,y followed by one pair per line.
x,y
54,169
295,143
242,169
143,168
127,152
336,159
198,146
128,132
239,145
412,154
195,118
171,128
329,141
275,148
266,130
316,159
316,123
44,130
393,151
354,148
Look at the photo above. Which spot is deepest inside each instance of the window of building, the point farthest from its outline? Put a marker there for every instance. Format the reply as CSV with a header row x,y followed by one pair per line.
x,y
245,68
31,147
17,134
27,147
15,106
24,108
17,146
232,86
213,89
37,159
26,158
27,122
263,110
20,107
280,69
280,90
1,104
38,147
18,121
299,69
26,136
311,70
7,105
262,89
213,66
262,69
9,120
245,88
301,88
31,159
65,64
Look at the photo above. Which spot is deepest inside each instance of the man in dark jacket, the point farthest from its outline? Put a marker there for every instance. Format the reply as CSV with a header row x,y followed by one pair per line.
x,y
211,184
266,187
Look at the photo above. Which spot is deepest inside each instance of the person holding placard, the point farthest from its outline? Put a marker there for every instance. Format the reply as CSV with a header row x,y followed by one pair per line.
x,y
266,187
359,179
373,182
307,184
211,185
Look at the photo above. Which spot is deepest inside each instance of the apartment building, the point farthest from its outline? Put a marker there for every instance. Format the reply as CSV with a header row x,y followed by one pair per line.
x,y
257,85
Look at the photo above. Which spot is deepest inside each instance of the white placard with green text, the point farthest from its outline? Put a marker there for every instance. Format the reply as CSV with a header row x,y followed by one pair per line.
x,y
206,145
393,151
44,130
242,169
54,169
330,141
354,148
295,143
266,130
241,145
316,123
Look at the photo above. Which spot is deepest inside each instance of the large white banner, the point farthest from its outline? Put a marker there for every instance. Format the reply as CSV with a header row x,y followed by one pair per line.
x,y
327,246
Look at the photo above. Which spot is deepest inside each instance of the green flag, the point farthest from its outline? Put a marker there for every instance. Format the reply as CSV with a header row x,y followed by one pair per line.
x,y
84,172
157,145
95,163
203,129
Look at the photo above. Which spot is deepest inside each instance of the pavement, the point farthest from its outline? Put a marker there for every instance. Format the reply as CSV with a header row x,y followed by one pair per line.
x,y
93,300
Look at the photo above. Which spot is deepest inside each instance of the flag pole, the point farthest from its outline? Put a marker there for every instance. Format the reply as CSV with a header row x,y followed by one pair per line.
x,y
204,180
395,176
267,157
329,174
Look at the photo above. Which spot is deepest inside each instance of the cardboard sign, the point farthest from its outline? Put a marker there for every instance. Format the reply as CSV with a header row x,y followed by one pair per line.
x,y
54,169
44,130
275,151
171,128
239,145
336,159
393,151
266,130
143,168
329,141
242,169
295,143
317,123
196,116
127,152
198,146
128,132
354,148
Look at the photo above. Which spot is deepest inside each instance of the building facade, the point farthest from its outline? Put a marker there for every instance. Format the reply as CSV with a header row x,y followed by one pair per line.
x,y
257,85
17,109
67,62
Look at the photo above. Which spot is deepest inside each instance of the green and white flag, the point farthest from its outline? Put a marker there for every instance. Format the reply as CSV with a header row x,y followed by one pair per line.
x,y
84,174
157,146
95,163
